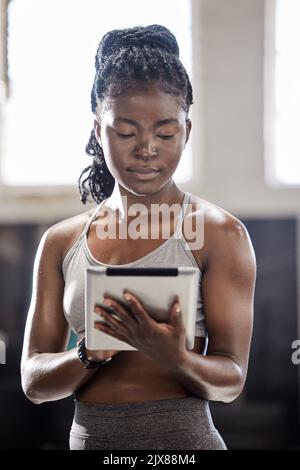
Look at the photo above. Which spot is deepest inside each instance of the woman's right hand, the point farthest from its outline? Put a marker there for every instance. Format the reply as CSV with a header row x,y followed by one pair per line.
x,y
99,355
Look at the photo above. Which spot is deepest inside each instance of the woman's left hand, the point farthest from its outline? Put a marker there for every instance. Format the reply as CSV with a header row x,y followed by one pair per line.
x,y
163,342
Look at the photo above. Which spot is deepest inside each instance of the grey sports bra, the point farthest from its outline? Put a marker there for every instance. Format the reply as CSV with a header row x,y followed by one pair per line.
x,y
173,252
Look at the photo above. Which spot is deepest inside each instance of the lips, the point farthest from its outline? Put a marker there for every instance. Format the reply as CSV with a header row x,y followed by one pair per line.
x,y
143,173
144,170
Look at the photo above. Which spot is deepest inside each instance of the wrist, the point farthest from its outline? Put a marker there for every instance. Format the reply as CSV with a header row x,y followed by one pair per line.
x,y
177,362
86,359
94,355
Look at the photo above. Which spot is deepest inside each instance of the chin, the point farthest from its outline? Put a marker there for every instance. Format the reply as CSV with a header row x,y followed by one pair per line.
x,y
142,189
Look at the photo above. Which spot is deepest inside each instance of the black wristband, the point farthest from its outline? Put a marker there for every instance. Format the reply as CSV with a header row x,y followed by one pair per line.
x,y
87,363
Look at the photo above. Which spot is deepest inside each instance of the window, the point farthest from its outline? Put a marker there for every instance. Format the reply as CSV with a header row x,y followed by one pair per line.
x,y
282,90
51,50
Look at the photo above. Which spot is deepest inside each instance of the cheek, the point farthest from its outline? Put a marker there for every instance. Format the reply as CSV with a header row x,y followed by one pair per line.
x,y
108,144
173,151
114,151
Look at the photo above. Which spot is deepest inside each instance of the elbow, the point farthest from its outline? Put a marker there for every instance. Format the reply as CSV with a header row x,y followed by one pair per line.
x,y
30,393
33,399
224,394
235,390
230,397
28,386
231,387
226,386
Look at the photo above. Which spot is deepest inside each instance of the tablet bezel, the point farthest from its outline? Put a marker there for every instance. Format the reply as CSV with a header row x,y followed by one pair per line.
x,y
187,281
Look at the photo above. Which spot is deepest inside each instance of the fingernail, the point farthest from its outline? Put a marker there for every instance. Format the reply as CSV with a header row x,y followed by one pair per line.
x,y
107,302
177,308
127,297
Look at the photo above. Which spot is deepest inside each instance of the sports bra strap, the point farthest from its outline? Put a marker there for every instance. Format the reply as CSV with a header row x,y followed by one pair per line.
x,y
178,231
90,220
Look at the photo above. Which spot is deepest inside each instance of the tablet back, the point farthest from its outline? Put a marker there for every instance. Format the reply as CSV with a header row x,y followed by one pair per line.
x,y
157,288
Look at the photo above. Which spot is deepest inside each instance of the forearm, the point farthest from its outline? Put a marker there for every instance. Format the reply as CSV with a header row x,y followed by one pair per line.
x,y
211,377
53,376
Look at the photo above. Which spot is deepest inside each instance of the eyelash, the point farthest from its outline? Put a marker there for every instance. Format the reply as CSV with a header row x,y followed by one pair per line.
x,y
164,137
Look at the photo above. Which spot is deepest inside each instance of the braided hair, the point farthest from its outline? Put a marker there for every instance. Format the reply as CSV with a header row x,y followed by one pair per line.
x,y
128,58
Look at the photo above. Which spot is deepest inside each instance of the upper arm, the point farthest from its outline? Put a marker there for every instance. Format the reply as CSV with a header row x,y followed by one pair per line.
x,y
46,328
228,286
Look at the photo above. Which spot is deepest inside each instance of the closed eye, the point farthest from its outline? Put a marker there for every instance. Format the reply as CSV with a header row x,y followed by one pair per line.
x,y
125,136
166,137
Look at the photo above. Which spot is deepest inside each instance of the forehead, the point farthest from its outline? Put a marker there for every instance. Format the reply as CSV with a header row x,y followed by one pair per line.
x,y
149,103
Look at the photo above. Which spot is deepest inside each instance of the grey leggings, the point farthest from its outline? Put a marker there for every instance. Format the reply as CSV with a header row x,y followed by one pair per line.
x,y
170,424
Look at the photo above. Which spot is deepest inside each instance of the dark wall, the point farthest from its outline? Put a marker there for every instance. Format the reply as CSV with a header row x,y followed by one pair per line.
x,y
266,414
23,425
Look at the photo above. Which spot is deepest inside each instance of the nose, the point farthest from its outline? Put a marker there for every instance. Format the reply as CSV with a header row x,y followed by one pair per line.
x,y
146,148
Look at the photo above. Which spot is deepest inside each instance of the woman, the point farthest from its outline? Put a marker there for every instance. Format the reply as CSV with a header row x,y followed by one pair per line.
x,y
156,397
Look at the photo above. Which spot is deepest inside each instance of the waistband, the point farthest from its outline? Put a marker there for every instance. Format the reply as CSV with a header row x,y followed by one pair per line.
x,y
192,403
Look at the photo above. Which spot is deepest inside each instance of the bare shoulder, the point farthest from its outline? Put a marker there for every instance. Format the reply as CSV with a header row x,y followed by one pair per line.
x,y
64,233
222,232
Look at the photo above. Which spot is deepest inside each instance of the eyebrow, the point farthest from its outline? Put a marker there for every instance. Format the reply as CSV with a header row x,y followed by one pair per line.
x,y
157,124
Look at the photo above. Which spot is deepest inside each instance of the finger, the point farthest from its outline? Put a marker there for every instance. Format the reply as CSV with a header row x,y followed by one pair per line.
x,y
116,325
120,311
137,308
112,332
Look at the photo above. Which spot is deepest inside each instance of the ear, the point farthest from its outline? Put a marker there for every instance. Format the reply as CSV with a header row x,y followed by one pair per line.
x,y
97,128
188,124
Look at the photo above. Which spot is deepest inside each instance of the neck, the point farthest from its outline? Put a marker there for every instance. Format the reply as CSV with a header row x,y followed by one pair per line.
x,y
121,200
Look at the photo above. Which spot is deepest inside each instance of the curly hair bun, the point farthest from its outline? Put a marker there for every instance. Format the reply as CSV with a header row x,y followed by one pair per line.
x,y
153,36
126,58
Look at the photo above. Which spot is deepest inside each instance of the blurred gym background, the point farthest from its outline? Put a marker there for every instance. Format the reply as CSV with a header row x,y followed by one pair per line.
x,y
244,155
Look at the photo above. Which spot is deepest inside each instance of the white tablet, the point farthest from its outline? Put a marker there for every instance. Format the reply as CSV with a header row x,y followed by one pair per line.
x,y
155,287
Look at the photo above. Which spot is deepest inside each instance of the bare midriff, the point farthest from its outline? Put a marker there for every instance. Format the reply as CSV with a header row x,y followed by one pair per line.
x,y
131,376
